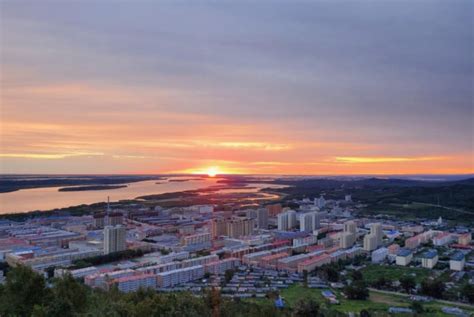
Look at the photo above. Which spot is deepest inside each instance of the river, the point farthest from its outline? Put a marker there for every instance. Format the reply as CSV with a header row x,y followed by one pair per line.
x,y
48,198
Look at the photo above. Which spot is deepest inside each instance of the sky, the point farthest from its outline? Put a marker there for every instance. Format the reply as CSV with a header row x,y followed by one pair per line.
x,y
255,87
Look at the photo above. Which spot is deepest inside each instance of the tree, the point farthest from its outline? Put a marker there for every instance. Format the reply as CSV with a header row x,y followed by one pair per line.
x,y
306,308
468,292
23,290
357,276
381,282
228,275
417,307
357,290
328,273
408,283
69,297
433,288
214,301
364,313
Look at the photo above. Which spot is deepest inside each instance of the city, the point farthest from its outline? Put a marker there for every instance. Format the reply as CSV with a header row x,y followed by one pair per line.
x,y
202,158
263,252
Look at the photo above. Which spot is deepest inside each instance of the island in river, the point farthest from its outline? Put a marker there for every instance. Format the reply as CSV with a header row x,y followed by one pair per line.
x,y
93,187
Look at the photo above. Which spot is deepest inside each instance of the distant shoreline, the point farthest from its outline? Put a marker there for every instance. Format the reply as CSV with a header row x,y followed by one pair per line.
x,y
93,187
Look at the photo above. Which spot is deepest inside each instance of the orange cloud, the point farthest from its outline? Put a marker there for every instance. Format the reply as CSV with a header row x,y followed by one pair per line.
x,y
355,160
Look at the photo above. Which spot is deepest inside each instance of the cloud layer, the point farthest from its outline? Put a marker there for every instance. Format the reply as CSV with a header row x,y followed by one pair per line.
x,y
251,87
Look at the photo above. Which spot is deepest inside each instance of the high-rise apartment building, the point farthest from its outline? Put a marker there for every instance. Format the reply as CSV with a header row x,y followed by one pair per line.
x,y
218,227
274,209
262,218
114,239
287,220
348,236
237,227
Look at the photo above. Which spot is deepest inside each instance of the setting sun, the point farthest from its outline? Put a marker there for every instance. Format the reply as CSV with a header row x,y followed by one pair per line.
x,y
212,171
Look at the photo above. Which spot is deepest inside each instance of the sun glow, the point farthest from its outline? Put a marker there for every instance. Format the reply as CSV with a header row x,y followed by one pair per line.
x,y
212,171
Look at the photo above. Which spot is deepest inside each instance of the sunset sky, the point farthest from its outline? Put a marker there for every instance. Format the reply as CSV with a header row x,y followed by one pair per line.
x,y
283,87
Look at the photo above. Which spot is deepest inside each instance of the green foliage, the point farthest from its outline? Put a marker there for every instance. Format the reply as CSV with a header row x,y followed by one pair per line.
x,y
417,307
433,288
306,308
407,282
22,291
329,273
468,292
364,313
357,290
357,276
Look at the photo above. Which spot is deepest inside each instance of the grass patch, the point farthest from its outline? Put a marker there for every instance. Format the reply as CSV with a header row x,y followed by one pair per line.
x,y
372,273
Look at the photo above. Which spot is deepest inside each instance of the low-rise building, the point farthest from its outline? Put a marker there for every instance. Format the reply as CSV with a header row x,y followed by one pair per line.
x,y
429,259
457,261
404,257
379,255
134,282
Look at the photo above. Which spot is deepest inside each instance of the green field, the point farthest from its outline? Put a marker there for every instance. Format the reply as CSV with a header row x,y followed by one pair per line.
x,y
377,304
372,273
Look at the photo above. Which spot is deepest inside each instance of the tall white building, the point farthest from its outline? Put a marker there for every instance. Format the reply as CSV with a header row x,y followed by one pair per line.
x,y
291,219
262,218
376,230
283,221
350,226
348,236
317,220
320,202
114,239
287,220
306,222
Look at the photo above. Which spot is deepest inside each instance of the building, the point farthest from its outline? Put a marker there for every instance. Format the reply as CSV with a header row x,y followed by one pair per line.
x,y
305,241
287,220
370,242
457,261
376,229
238,227
442,238
374,239
274,209
379,255
179,276
350,226
429,259
135,282
114,239
306,222
393,249
320,202
412,242
404,257
312,263
347,240
195,239
262,218
114,218
348,236
219,267
218,227
98,221
317,220
465,239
